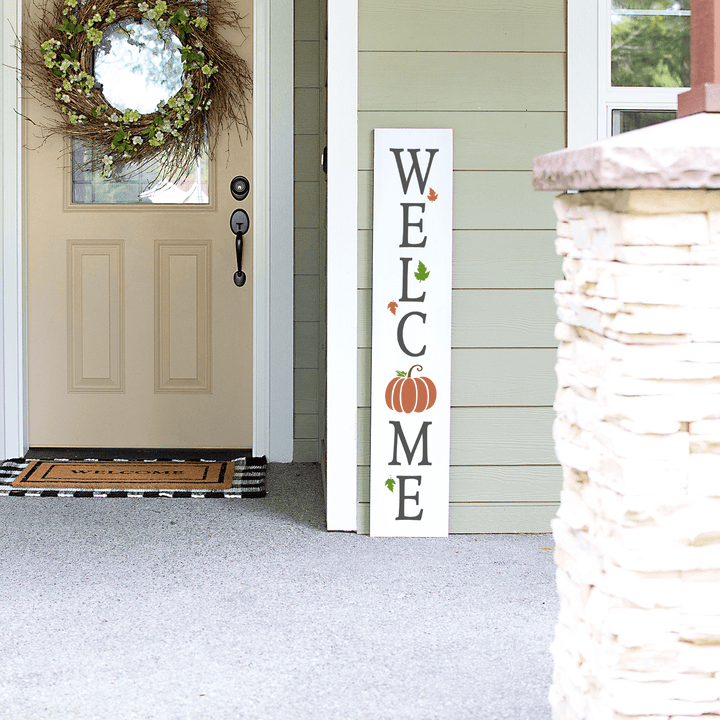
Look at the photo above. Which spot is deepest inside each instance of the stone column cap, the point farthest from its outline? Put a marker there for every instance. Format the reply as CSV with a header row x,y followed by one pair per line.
x,y
682,153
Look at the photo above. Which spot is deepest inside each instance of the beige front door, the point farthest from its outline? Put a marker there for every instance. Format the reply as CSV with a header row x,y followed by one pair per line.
x,y
137,334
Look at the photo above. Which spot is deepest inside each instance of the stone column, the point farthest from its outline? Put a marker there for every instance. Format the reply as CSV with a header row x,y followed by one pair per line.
x,y
638,424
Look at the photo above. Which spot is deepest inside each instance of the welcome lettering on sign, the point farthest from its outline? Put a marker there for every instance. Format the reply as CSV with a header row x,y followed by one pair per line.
x,y
411,321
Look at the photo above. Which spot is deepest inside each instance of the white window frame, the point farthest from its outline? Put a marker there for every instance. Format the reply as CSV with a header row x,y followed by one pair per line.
x,y
591,99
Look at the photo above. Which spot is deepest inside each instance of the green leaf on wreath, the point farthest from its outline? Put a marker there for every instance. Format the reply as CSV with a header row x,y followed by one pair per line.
x,y
180,17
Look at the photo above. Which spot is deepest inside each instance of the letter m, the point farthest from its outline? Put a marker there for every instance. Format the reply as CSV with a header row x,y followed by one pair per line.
x,y
409,454
414,168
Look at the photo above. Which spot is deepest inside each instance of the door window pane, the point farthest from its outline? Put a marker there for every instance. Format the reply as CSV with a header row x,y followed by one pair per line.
x,y
650,43
625,120
140,186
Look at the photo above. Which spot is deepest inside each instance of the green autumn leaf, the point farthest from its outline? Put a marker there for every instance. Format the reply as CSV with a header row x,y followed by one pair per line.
x,y
401,373
422,272
390,484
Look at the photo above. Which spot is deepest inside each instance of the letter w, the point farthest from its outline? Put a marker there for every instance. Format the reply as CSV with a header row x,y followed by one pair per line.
x,y
414,168
408,452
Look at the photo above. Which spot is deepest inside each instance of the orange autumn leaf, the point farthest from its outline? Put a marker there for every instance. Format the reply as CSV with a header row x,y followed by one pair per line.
x,y
392,307
433,196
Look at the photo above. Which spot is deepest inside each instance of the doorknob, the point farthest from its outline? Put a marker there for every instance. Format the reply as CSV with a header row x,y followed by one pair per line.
x,y
239,224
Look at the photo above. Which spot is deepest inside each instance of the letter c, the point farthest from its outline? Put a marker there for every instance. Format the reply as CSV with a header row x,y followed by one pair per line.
x,y
401,333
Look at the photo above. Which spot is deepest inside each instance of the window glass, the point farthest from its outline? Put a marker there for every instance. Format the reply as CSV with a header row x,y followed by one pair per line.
x,y
650,43
625,120
139,186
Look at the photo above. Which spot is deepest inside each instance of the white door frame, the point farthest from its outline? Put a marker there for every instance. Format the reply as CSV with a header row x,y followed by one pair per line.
x,y
273,231
342,281
272,237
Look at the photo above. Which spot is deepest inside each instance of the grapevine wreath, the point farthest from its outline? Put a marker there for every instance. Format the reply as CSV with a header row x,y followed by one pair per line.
x,y
216,83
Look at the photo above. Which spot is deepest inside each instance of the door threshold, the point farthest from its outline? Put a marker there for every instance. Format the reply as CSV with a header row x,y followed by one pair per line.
x,y
55,453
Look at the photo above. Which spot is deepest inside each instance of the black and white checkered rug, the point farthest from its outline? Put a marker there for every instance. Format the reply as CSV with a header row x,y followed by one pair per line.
x,y
248,482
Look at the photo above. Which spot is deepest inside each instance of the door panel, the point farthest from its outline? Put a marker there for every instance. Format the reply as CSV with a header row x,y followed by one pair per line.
x,y
96,316
137,335
183,354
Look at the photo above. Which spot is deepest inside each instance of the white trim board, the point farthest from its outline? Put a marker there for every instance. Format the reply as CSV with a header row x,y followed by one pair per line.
x,y
342,210
273,138
582,72
13,375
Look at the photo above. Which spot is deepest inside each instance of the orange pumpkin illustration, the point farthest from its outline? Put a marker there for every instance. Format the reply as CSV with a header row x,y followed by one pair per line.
x,y
410,394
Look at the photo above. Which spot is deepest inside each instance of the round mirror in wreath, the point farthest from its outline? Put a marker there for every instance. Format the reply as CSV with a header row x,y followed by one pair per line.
x,y
137,66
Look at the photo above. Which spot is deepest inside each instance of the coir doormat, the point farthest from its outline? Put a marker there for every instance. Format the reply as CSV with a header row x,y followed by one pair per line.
x,y
240,478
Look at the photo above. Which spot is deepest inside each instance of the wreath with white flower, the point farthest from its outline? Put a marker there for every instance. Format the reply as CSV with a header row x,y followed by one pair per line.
x,y
216,83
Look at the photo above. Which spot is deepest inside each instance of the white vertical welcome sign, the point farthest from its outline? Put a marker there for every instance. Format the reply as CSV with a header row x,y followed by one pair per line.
x,y
412,300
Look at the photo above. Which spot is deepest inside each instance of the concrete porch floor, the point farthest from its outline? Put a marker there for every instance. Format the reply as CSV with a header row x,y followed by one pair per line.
x,y
248,609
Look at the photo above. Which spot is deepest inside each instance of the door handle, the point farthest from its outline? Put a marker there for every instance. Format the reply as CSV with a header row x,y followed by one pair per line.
x,y
239,224
239,277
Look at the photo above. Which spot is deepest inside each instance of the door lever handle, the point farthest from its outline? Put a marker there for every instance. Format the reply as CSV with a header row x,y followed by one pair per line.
x,y
239,224
239,277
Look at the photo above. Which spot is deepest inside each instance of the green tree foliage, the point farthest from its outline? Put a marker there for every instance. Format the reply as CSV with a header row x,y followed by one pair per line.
x,y
651,50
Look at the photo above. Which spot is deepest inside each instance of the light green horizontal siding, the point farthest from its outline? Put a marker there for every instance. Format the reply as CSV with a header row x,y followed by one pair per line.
x,y
488,318
461,81
307,298
306,451
491,483
489,259
524,517
308,69
488,436
307,111
494,72
500,376
490,25
309,302
306,391
505,259
307,157
307,20
306,427
489,377
307,339
482,201
307,202
307,257
482,140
